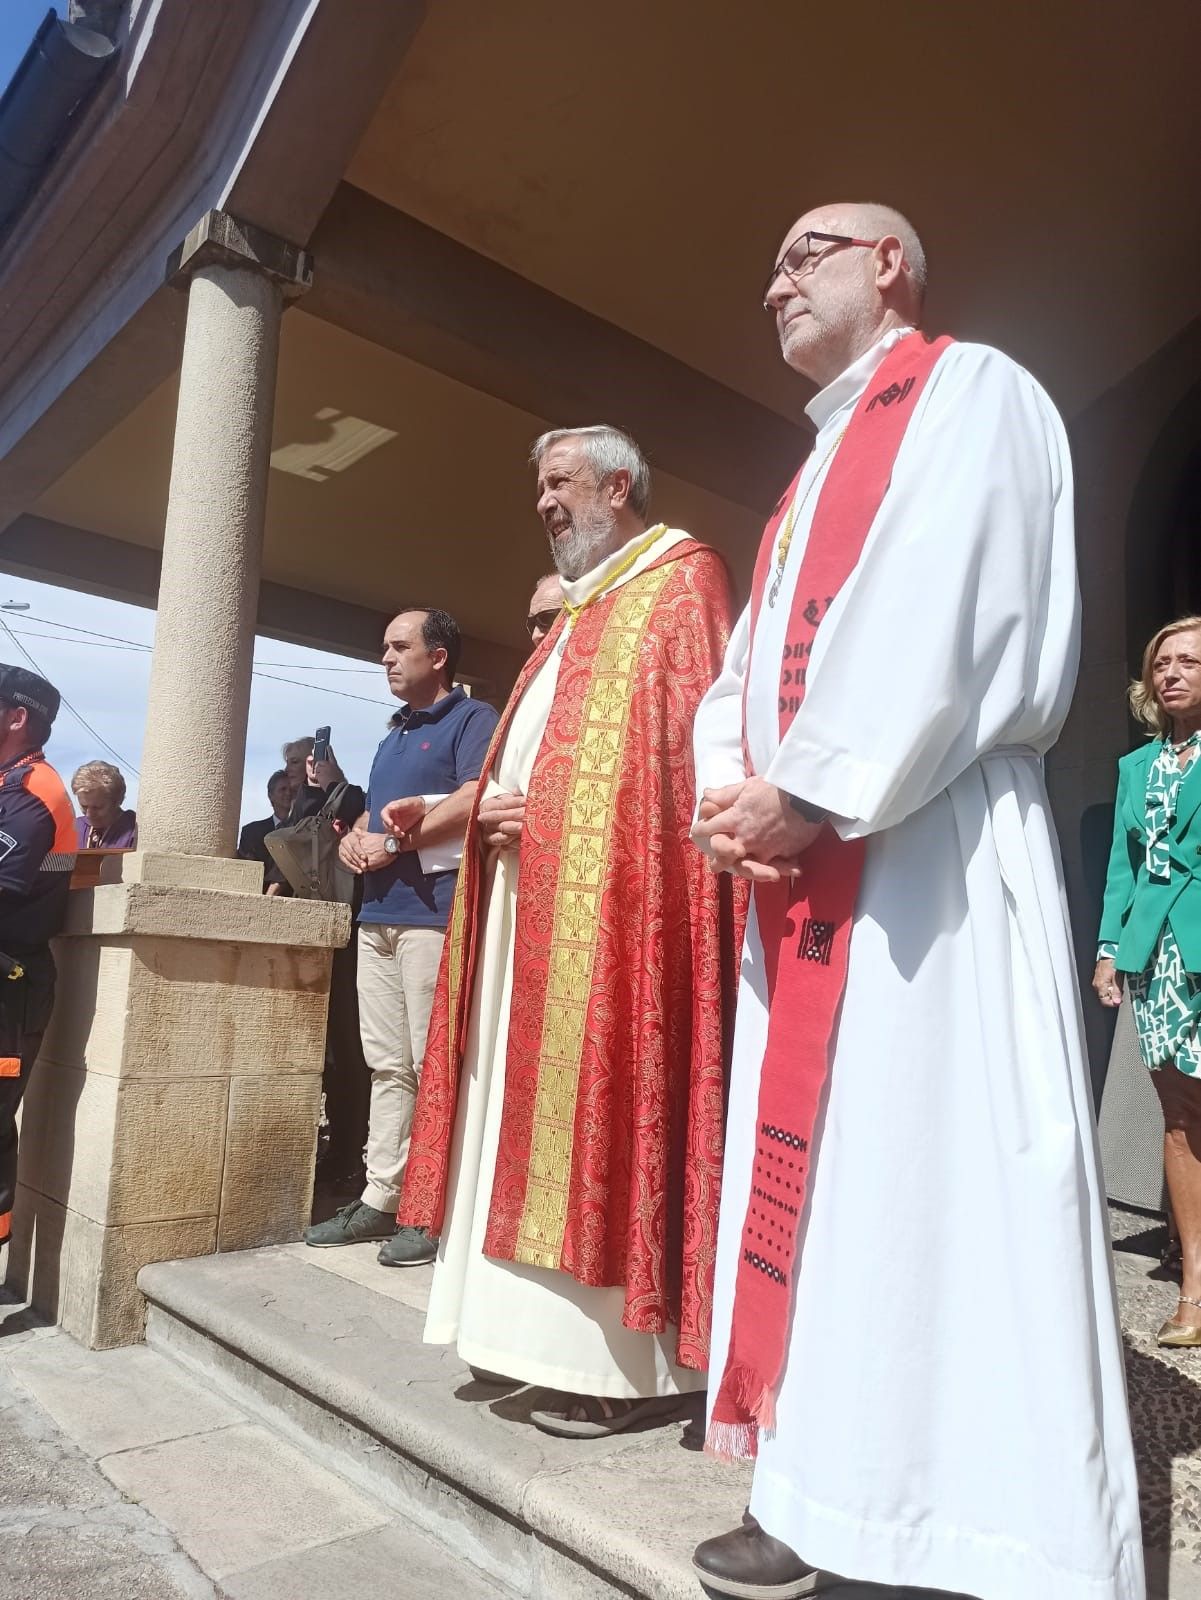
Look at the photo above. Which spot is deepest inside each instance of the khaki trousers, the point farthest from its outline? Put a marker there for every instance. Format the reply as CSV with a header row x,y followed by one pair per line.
x,y
398,968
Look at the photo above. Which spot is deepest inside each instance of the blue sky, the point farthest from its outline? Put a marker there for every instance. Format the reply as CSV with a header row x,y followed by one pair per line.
x,y
18,23
97,652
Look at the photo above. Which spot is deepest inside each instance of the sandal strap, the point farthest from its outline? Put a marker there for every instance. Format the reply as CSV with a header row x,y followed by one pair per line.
x,y
1187,1300
595,1408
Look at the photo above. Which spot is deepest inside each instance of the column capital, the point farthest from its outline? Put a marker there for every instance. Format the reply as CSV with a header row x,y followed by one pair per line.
x,y
219,239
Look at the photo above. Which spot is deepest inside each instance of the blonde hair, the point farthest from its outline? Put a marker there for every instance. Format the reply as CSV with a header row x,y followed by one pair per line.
x,y
100,775
1141,693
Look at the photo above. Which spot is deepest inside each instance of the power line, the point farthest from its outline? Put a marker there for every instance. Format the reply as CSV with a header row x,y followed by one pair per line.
x,y
90,644
95,644
71,627
117,643
321,688
121,761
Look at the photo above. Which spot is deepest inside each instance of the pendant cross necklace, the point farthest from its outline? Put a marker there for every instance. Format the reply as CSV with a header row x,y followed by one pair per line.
x,y
794,512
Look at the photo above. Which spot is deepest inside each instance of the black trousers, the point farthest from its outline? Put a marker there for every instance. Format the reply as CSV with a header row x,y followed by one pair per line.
x,y
346,1079
25,1007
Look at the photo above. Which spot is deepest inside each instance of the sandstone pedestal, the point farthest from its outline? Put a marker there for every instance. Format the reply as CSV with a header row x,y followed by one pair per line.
x,y
174,1109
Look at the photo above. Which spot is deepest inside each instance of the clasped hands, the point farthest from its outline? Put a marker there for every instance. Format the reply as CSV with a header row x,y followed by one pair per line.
x,y
360,851
500,820
750,829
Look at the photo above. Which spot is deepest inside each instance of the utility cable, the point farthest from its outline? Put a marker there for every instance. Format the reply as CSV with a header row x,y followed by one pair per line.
x,y
82,721
115,642
115,638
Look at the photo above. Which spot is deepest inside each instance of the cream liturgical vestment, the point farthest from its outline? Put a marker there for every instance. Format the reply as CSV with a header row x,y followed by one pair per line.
x,y
952,1413
538,1326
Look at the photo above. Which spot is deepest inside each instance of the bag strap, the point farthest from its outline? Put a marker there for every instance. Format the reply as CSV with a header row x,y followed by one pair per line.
x,y
329,808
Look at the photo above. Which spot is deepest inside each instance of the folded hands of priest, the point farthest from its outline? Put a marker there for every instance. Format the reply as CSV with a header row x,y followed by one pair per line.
x,y
752,830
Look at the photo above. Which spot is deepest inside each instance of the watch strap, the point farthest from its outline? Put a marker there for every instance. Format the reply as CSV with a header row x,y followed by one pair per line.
x,y
811,813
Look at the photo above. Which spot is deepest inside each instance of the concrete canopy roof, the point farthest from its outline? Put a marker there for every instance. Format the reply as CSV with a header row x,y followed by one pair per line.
x,y
642,163
645,160
438,507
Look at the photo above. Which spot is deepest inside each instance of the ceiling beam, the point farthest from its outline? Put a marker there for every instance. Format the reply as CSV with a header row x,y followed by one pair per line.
x,y
389,278
55,552
255,109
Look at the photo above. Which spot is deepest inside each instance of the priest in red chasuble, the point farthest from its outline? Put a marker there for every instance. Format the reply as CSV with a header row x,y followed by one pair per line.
x,y
568,1136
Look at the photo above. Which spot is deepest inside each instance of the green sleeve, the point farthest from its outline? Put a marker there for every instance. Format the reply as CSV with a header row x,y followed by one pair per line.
x,y
1119,880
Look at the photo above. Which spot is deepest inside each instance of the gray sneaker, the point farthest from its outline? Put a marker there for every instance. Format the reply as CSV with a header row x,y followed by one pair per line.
x,y
351,1224
408,1247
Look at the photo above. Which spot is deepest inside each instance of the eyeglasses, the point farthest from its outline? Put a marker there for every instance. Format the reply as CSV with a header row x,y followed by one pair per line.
x,y
541,621
800,252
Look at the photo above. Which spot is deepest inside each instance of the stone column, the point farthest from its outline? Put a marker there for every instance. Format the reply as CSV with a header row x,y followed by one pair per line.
x,y
174,1109
213,538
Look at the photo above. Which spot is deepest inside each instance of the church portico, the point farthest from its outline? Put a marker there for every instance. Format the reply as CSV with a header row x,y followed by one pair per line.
x,y
471,285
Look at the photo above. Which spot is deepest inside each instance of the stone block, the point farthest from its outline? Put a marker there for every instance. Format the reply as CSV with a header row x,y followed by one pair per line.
x,y
239,1497
196,1010
166,912
357,1264
270,1147
117,1399
36,1265
126,1151
171,871
69,1128
99,1302
91,1005
395,1561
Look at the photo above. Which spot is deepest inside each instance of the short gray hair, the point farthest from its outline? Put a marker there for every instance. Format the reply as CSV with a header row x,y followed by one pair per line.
x,y
873,218
607,450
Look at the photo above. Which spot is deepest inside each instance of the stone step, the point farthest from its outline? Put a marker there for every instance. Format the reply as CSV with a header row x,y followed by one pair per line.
x,y
325,1346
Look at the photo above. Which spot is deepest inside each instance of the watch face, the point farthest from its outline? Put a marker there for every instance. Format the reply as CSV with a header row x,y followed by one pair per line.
x,y
390,845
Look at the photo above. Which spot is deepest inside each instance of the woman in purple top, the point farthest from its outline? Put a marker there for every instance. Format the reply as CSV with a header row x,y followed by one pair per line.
x,y
99,789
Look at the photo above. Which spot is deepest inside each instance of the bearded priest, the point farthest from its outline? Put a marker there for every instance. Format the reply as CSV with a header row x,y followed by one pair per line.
x,y
567,1142
915,1328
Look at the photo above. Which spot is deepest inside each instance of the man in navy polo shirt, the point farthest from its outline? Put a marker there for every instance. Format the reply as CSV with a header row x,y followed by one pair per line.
x,y
424,774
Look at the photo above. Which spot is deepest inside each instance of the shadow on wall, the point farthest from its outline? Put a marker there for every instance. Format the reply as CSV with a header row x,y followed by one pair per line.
x,y
1096,834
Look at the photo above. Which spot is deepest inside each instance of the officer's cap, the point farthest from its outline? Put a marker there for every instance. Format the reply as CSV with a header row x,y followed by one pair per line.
x,y
22,688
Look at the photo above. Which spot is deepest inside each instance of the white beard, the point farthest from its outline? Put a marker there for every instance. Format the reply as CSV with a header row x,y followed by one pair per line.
x,y
587,541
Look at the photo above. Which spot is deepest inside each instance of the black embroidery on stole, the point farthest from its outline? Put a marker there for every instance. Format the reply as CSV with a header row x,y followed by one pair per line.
x,y
817,941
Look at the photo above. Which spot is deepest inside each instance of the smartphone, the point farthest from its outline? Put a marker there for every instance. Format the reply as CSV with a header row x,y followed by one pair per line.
x,y
321,745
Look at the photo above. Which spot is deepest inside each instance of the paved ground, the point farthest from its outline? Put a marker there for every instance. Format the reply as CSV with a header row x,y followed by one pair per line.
x,y
129,1480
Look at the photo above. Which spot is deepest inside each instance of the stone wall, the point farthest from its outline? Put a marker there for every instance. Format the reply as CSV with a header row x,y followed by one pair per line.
x,y
174,1109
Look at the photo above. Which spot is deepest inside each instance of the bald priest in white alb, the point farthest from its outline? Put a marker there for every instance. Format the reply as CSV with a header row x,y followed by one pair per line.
x,y
915,1330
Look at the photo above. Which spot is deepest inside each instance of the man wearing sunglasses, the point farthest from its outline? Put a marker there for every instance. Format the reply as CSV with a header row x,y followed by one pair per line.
x,y
546,603
914,1325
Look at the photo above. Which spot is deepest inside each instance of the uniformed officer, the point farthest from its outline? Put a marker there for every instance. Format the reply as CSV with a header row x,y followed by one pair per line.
x,y
37,853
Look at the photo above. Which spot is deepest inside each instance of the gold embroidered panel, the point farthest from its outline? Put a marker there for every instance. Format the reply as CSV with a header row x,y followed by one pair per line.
x,y
583,851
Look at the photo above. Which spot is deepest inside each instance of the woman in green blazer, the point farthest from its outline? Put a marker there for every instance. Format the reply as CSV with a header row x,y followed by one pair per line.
x,y
1150,934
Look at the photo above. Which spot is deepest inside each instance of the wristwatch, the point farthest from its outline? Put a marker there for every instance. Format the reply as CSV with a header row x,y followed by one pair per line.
x,y
811,813
391,846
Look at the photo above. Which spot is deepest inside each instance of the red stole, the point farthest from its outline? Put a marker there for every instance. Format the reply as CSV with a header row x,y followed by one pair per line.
x,y
805,923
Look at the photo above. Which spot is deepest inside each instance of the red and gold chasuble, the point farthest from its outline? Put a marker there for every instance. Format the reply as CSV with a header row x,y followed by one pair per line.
x,y
624,971
805,923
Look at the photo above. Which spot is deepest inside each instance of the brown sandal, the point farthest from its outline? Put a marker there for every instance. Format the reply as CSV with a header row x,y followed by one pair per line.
x,y
590,1416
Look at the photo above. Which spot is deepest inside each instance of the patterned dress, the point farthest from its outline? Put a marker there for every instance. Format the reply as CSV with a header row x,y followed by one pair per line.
x,y
1166,999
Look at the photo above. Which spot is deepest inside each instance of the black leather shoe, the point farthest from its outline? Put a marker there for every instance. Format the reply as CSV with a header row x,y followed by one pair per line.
x,y
750,1565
